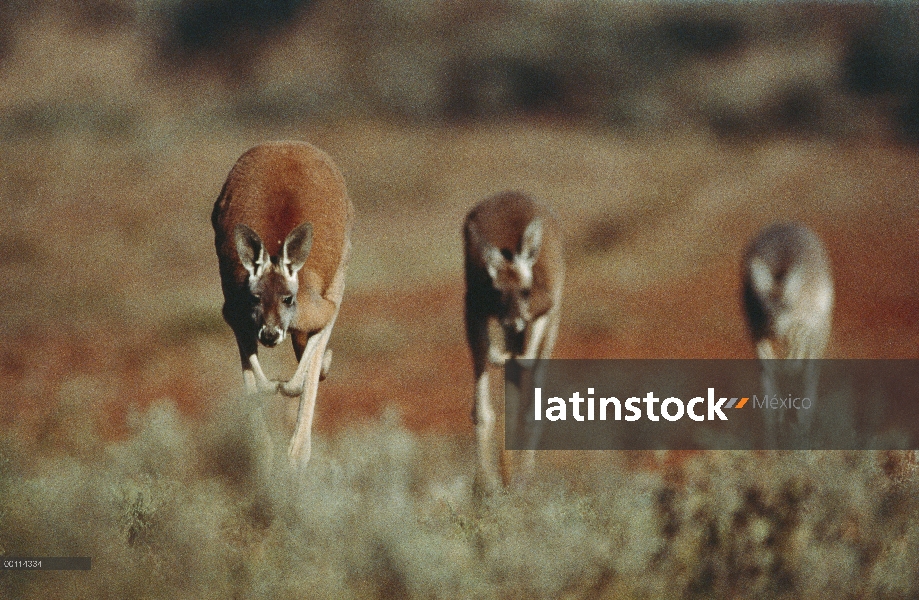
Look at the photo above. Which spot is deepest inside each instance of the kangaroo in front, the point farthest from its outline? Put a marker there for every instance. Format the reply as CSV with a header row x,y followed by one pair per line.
x,y
788,300
282,226
514,274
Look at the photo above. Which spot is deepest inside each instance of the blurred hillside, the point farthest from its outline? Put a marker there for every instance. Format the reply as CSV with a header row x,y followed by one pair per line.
x,y
748,69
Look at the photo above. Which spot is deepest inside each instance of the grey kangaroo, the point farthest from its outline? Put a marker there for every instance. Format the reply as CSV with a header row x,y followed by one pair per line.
x,y
788,300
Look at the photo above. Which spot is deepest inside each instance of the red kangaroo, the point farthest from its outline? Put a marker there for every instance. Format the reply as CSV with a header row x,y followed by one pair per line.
x,y
282,226
514,275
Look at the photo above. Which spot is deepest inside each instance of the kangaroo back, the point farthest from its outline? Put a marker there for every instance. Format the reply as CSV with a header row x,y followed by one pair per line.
x,y
514,262
272,189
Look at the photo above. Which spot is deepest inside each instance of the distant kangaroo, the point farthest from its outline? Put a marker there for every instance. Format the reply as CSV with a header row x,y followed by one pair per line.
x,y
788,298
514,274
282,228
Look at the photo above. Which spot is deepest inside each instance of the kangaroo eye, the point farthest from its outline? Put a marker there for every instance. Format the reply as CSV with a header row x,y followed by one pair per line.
x,y
288,300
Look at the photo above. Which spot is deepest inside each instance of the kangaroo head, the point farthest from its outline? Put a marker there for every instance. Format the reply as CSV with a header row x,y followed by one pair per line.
x,y
273,280
511,273
777,288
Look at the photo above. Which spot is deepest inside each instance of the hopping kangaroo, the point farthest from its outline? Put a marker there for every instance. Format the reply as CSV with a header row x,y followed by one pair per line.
x,y
282,227
514,274
788,300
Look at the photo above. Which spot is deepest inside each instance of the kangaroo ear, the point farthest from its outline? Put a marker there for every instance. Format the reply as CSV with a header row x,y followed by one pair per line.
x,y
490,255
251,250
761,276
531,241
297,247
494,260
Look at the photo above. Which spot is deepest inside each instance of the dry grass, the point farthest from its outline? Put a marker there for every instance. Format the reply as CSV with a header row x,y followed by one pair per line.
x,y
181,509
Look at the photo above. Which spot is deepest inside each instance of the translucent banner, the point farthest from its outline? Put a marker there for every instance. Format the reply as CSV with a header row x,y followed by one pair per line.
x,y
712,404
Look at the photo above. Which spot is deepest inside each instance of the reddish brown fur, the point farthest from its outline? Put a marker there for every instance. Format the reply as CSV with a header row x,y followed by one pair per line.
x,y
500,220
273,188
501,224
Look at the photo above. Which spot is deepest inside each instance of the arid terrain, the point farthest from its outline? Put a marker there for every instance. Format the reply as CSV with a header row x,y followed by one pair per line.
x,y
124,297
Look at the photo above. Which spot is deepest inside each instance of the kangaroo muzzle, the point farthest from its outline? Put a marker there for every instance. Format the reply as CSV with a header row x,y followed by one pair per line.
x,y
270,336
514,324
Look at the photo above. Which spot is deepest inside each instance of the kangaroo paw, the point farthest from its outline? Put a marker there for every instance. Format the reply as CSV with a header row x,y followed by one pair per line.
x,y
498,358
287,390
